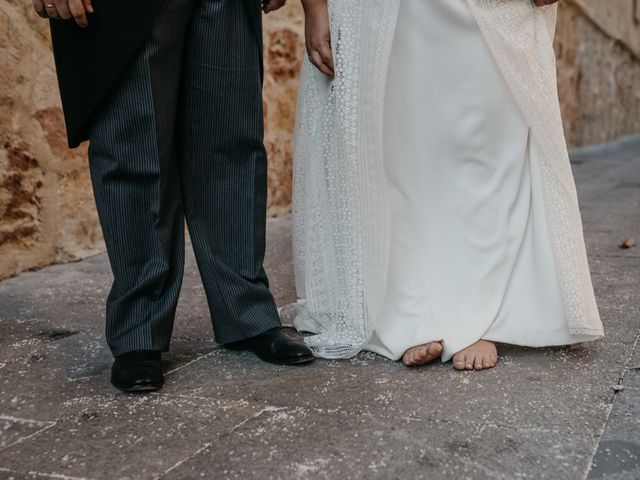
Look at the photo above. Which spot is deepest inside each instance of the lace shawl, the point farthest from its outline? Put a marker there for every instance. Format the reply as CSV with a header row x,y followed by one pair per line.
x,y
341,219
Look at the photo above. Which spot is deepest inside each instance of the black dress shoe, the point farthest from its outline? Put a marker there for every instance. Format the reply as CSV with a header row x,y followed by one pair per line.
x,y
137,372
275,346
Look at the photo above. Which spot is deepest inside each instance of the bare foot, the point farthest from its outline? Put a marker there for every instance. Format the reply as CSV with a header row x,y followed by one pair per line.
x,y
422,354
479,356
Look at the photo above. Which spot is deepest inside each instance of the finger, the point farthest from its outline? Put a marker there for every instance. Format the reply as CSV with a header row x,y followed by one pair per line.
x,y
51,10
38,6
271,5
327,56
79,14
316,59
276,5
63,9
88,6
267,5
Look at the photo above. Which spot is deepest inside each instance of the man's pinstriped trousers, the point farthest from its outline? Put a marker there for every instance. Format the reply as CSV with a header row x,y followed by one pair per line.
x,y
181,136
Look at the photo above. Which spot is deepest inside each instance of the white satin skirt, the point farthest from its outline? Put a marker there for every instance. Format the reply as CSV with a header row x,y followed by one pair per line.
x,y
471,257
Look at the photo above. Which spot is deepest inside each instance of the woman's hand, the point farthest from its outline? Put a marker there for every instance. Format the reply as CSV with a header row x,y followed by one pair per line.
x,y
542,3
318,35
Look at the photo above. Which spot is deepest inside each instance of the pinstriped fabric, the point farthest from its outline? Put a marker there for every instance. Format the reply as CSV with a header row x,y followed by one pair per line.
x,y
182,136
225,166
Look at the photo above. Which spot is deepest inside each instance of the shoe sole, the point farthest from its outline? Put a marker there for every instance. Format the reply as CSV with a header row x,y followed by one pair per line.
x,y
138,388
241,346
296,361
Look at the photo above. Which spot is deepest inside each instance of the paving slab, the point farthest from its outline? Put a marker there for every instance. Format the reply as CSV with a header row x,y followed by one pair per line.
x,y
543,413
127,437
618,454
562,395
15,430
300,443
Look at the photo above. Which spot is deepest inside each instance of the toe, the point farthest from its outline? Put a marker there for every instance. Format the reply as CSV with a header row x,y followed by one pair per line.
x,y
435,349
406,358
458,362
424,353
421,354
469,360
416,356
479,362
492,359
411,358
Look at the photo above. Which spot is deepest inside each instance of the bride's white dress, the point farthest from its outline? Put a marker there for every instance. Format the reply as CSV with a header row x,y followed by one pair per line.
x,y
433,195
471,256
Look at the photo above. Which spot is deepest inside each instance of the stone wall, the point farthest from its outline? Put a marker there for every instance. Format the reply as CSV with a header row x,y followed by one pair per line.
x,y
284,50
46,207
599,72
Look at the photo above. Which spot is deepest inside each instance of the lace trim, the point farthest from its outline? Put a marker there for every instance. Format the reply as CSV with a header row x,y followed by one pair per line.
x,y
521,39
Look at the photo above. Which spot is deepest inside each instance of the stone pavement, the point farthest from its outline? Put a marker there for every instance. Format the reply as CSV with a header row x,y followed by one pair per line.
x,y
551,413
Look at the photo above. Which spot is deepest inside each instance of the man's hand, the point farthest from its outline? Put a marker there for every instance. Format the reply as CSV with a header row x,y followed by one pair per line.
x,y
272,5
542,3
65,10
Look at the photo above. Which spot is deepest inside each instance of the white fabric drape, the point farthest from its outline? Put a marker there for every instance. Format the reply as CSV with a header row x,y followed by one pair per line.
x,y
341,205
